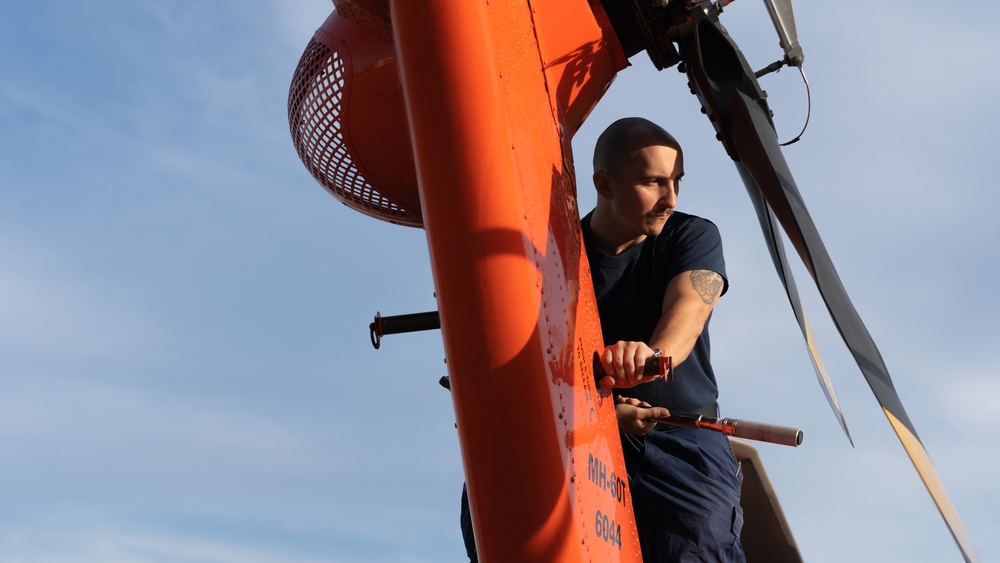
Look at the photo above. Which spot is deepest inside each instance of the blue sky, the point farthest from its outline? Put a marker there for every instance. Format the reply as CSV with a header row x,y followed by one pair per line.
x,y
185,372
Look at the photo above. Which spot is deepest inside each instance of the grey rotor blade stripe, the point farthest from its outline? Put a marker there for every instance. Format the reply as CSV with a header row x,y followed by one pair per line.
x,y
776,247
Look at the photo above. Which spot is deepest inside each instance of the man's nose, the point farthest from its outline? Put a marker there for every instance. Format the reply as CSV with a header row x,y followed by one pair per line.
x,y
668,194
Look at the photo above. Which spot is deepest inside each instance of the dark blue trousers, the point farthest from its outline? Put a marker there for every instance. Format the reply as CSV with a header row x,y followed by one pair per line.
x,y
685,486
467,533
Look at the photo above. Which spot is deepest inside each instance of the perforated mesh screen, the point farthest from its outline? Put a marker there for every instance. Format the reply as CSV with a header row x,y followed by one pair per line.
x,y
315,117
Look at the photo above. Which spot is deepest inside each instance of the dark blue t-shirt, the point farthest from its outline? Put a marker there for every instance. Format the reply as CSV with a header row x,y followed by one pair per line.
x,y
630,289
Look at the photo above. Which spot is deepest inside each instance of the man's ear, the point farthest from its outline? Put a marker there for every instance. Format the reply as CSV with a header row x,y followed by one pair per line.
x,y
602,183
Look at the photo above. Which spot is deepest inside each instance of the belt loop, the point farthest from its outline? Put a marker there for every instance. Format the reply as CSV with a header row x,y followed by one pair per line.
x,y
710,410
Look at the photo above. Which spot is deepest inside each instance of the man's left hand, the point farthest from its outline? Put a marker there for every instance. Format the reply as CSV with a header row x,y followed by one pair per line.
x,y
634,416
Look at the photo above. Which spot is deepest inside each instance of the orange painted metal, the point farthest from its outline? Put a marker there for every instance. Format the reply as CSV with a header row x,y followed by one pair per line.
x,y
494,91
371,14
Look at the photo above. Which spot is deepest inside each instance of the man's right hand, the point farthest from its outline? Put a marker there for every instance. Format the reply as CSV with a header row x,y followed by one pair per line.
x,y
624,363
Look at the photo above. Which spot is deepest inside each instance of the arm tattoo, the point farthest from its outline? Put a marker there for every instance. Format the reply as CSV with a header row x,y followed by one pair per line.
x,y
707,283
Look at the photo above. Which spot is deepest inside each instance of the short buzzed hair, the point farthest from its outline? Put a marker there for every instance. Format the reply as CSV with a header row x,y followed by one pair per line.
x,y
617,143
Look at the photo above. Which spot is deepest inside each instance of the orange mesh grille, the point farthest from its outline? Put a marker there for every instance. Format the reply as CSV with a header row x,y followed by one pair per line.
x,y
316,119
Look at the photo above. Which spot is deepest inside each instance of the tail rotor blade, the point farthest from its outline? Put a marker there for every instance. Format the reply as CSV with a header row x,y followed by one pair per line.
x,y
734,102
766,167
769,226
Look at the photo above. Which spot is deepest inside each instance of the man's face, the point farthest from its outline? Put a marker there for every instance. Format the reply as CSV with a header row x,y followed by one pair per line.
x,y
643,194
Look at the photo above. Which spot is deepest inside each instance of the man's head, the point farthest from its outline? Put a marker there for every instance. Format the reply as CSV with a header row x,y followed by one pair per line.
x,y
623,137
637,172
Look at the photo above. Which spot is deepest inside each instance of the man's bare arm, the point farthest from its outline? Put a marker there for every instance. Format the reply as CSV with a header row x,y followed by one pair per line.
x,y
708,284
687,302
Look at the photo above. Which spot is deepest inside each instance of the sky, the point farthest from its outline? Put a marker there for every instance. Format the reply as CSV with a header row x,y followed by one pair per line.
x,y
185,366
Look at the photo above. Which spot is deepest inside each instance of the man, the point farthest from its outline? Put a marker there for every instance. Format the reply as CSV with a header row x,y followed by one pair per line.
x,y
657,275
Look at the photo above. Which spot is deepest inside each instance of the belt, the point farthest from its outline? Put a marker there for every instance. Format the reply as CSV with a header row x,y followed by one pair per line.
x,y
710,410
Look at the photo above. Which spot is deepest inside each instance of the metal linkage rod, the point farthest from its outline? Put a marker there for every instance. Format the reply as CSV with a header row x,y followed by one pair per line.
x,y
747,429
396,324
